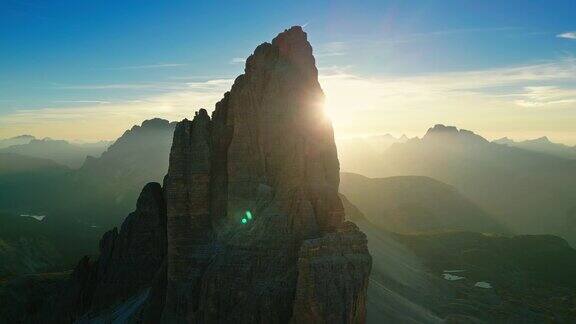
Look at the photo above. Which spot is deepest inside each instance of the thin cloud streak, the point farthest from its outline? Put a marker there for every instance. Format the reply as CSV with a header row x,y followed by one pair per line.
x,y
158,86
403,38
148,66
567,35
237,60
108,120
82,101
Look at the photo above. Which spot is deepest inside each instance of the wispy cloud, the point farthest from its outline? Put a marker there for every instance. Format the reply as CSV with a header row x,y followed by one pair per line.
x,y
541,96
492,101
107,119
535,83
148,66
463,31
237,60
402,38
379,104
331,49
158,86
567,35
81,101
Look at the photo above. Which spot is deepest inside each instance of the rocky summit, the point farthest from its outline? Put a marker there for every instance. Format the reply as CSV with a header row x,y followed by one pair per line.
x,y
248,226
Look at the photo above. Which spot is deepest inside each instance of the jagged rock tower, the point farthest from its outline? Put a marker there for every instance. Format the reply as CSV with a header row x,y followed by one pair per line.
x,y
254,217
255,227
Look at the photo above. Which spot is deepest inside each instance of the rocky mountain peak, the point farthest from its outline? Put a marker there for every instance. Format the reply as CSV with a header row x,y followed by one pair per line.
x,y
504,141
255,227
454,135
155,123
541,140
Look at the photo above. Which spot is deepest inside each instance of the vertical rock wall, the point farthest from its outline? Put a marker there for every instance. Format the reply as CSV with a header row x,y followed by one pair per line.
x,y
189,225
267,168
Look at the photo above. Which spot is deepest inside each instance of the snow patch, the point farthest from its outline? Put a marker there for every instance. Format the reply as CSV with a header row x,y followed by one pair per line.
x,y
483,284
452,277
36,217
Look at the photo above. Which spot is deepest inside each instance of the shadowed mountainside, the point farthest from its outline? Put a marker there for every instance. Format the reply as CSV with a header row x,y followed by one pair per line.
x,y
415,204
466,277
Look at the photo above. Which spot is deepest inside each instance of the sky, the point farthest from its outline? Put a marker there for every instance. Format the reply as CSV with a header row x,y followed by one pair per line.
x,y
88,70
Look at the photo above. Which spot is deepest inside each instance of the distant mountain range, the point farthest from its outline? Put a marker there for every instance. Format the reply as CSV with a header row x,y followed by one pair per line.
x,y
72,155
18,140
541,145
362,154
526,191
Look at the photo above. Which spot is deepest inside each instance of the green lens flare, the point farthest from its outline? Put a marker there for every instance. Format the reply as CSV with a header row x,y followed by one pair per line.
x,y
244,221
248,214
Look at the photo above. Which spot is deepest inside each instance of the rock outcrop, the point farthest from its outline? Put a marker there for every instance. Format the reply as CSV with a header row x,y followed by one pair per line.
x,y
128,261
189,226
332,272
255,227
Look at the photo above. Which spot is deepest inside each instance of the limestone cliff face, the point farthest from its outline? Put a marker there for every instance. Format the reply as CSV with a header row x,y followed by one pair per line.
x,y
281,146
255,227
189,223
332,272
272,173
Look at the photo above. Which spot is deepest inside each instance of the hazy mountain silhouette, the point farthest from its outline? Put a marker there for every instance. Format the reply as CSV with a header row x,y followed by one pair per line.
x,y
363,154
107,187
139,156
79,205
415,204
102,191
541,145
60,151
17,140
526,191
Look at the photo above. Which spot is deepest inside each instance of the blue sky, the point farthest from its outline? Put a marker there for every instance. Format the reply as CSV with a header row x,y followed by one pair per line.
x,y
67,62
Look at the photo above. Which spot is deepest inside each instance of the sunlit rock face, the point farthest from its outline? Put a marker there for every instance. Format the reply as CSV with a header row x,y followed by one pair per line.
x,y
255,227
281,151
274,202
